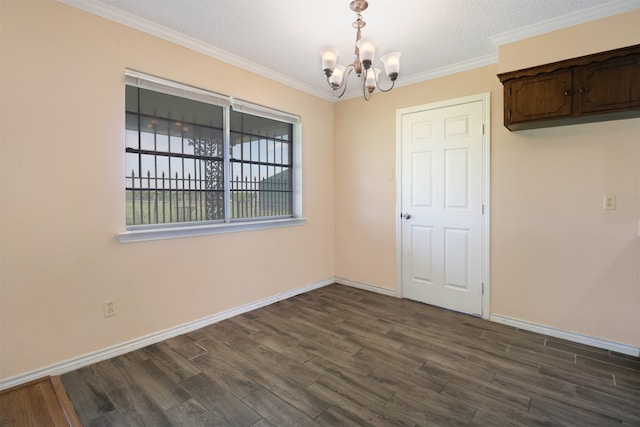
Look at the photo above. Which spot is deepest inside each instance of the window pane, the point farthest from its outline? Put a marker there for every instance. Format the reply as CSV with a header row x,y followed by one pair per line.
x,y
131,168
180,111
131,133
261,170
174,165
254,125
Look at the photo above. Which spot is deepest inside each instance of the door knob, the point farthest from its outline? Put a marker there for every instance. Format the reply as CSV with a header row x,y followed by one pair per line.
x,y
406,216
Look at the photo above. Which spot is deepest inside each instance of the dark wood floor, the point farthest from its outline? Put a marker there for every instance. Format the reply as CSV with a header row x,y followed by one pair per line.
x,y
340,356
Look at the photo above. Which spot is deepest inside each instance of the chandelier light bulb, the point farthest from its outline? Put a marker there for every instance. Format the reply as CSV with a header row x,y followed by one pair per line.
x,y
367,52
336,77
391,63
329,59
371,79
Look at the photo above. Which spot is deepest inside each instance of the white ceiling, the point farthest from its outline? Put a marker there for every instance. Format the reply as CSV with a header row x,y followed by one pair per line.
x,y
282,38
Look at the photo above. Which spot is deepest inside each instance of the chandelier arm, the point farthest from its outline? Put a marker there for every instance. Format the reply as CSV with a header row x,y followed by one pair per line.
x,y
365,90
393,83
330,85
377,81
345,77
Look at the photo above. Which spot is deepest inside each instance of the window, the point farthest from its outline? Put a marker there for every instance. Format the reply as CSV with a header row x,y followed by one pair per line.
x,y
199,162
174,159
261,167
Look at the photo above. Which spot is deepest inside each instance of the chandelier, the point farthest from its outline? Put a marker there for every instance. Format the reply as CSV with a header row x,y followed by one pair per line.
x,y
337,75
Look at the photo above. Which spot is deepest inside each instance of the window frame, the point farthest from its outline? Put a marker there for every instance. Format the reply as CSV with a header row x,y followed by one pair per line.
x,y
144,232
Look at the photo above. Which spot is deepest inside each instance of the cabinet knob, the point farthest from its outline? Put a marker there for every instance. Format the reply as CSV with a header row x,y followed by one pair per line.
x,y
568,92
584,89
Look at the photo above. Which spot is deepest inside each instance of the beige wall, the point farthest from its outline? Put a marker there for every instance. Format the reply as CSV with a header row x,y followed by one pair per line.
x,y
577,267
596,36
62,176
557,258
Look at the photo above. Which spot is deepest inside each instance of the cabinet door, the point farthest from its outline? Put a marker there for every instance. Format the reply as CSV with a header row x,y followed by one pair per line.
x,y
613,85
538,97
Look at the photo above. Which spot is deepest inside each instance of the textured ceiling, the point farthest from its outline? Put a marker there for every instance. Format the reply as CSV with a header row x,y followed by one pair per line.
x,y
283,38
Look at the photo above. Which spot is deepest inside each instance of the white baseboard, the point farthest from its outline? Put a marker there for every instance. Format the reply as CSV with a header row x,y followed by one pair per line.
x,y
138,343
567,335
366,287
520,324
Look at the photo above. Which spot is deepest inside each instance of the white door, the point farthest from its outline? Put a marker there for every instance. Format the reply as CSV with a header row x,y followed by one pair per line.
x,y
442,205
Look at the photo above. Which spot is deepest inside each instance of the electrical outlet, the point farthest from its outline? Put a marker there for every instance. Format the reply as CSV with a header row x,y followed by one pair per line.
x,y
608,201
109,308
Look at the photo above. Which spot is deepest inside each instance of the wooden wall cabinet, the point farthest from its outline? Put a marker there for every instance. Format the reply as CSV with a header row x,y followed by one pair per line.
x,y
598,87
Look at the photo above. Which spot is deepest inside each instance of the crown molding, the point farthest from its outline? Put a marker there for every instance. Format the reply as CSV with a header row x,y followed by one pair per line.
x,y
133,21
434,73
458,67
597,12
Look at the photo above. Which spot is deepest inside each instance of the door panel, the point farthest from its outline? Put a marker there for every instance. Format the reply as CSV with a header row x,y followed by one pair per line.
x,y
456,258
421,238
422,179
456,181
442,191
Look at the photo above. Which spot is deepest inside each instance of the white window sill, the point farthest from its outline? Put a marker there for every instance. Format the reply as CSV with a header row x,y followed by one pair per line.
x,y
142,235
